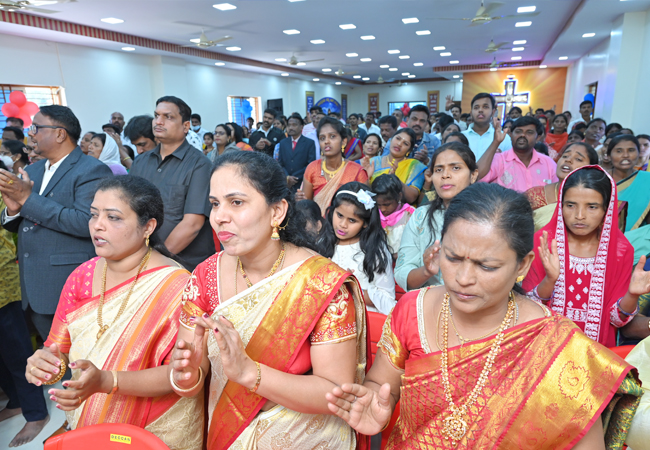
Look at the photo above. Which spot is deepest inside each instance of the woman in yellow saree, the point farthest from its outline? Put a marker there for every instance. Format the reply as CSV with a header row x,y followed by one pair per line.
x,y
485,367
266,318
116,324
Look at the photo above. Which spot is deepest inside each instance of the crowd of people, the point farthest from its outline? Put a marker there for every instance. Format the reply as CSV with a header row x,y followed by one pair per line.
x,y
214,287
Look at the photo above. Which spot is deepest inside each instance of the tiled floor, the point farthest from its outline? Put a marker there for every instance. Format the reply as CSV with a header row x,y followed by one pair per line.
x,y
10,427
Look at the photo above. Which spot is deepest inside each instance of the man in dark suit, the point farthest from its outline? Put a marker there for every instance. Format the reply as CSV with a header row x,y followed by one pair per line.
x,y
267,136
50,209
296,152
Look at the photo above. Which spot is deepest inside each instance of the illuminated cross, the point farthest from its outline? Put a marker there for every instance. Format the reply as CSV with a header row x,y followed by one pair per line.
x,y
510,97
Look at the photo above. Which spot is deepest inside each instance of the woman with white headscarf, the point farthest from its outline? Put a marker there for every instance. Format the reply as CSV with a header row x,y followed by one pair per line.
x,y
104,148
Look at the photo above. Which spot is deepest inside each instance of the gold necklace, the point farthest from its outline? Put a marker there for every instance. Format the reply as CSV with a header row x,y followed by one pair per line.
x,y
100,321
240,268
455,424
330,172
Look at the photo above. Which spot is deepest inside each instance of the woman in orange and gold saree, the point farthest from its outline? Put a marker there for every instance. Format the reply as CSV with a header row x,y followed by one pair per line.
x,y
273,325
325,176
486,367
117,321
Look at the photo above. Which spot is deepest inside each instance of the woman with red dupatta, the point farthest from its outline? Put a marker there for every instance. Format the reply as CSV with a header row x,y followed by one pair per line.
x,y
477,365
272,324
117,321
583,266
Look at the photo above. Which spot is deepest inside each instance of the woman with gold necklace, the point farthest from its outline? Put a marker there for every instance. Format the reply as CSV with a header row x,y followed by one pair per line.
x,y
265,319
486,367
116,324
325,176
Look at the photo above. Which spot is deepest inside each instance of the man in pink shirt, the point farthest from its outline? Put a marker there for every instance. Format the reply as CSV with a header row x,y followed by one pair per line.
x,y
521,167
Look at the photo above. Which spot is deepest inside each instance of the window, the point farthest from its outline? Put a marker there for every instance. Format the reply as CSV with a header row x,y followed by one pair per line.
x,y
237,109
41,95
392,106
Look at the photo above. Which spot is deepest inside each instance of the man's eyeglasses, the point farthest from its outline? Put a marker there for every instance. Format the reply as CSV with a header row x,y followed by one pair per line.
x,y
34,128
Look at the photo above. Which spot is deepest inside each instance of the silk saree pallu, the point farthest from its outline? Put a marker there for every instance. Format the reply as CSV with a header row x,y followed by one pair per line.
x,y
548,386
141,338
635,190
275,318
410,171
324,190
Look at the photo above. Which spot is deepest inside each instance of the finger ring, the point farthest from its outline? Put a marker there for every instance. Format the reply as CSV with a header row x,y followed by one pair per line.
x,y
78,400
10,182
355,399
32,370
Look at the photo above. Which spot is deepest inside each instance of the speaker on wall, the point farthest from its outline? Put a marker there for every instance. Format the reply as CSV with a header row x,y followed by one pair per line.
x,y
275,104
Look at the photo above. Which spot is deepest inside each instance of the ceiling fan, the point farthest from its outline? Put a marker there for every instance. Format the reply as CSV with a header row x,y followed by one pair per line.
x,y
23,5
340,73
294,61
204,42
495,63
484,14
492,47
380,80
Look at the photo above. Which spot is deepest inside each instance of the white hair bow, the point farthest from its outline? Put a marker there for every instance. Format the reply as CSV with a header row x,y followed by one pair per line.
x,y
364,197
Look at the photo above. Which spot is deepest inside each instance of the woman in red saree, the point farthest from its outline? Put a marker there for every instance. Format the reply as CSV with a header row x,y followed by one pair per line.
x,y
325,176
486,367
116,324
265,319
583,266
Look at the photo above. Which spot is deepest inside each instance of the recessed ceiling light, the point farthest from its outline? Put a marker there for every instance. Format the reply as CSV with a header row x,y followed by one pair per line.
x,y
423,32
293,1
219,64
128,49
284,74
493,69
316,79
411,76
456,76
280,59
563,58
523,24
404,57
454,62
224,6
347,26
543,66
233,49
112,20
351,55
445,54
357,76
384,66
439,48
518,49
195,41
317,41
366,79
393,69
411,20
291,32
338,83
301,64
587,35
521,42
418,64
515,58
326,70
461,81
369,37
365,59
393,52
526,9
406,74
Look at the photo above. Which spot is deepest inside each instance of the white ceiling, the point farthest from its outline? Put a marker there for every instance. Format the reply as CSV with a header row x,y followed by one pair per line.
x,y
256,27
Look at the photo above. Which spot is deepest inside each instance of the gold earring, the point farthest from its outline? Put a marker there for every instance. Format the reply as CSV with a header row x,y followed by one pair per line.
x,y
521,278
146,242
275,236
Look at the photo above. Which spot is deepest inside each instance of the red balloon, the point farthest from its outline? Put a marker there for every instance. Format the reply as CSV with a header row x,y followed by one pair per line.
x,y
29,108
17,98
26,118
10,110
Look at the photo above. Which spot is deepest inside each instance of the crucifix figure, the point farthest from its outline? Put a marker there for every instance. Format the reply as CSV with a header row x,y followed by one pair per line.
x,y
510,97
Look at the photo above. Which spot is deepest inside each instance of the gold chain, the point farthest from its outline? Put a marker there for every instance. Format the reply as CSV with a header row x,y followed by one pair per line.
x,y
100,321
455,424
464,340
240,268
330,172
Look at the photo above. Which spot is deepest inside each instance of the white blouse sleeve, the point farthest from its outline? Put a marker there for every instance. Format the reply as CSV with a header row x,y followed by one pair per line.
x,y
382,289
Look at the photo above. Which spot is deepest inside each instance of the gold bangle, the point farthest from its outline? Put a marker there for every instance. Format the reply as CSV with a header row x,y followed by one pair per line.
x,y
62,370
115,386
184,391
386,426
259,378
125,158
